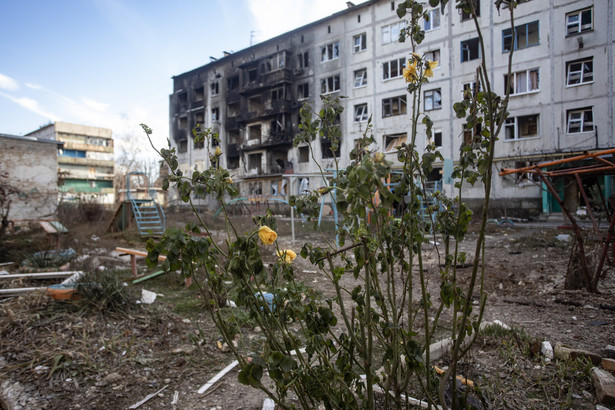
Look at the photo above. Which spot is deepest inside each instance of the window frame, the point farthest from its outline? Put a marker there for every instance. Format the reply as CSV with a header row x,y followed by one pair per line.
x,y
467,49
362,43
394,141
361,113
363,78
433,54
328,84
432,20
391,30
303,91
528,82
402,104
330,52
515,123
579,23
432,97
514,37
581,120
432,139
214,87
581,72
387,73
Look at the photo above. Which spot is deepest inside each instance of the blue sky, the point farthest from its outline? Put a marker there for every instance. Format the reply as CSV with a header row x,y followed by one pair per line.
x,y
109,63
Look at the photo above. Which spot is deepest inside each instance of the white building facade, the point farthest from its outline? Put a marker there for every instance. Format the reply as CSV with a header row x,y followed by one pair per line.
x,y
561,94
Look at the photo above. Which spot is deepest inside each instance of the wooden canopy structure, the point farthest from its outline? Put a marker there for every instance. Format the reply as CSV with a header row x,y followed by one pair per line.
x,y
593,164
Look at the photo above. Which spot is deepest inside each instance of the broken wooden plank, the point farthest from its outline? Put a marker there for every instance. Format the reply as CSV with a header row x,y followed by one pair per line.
x,y
462,379
147,398
217,377
41,275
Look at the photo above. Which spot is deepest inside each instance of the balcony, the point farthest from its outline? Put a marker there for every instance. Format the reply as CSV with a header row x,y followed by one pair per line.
x,y
278,107
232,123
275,139
284,75
87,147
85,161
232,96
196,104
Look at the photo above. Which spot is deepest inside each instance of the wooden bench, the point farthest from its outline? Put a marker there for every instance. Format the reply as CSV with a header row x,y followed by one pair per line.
x,y
133,257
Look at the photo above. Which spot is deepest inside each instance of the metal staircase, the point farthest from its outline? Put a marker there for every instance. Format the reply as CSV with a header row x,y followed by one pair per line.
x,y
147,212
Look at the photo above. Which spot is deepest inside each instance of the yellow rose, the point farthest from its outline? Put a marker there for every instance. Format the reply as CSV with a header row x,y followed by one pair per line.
x,y
287,255
229,180
218,152
378,157
410,72
430,66
267,235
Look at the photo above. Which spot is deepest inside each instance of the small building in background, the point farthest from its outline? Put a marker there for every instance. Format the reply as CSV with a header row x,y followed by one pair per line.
x,y
29,166
85,161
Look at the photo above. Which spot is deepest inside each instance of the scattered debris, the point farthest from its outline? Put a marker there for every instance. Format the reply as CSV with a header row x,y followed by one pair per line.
x,y
563,352
604,382
462,379
147,297
547,350
147,398
608,364
610,351
217,377
268,404
563,237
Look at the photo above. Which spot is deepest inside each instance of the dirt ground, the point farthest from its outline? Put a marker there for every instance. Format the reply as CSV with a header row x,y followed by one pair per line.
x,y
53,356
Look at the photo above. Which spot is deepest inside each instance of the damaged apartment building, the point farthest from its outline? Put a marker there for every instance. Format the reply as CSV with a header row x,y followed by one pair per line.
x,y
559,105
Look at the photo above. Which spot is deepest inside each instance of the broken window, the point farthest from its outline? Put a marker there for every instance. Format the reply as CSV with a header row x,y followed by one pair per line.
x,y
183,122
393,141
394,106
523,82
274,62
470,50
199,117
330,52
581,120
278,93
580,71
579,21
471,89
525,35
360,42
330,84
182,147
360,113
516,128
303,91
215,114
433,55
182,98
360,78
435,139
304,153
252,75
215,88
303,60
199,94
393,68
232,83
254,132
432,100
232,110
254,162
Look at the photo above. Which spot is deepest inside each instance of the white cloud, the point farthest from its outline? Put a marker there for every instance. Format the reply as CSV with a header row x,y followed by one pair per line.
x,y
34,86
95,105
274,17
32,105
7,83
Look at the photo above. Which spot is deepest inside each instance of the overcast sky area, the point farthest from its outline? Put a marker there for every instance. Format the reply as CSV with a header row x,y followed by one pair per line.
x,y
109,63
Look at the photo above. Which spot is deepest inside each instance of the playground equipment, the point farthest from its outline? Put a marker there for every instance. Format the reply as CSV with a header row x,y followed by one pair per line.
x,y
139,205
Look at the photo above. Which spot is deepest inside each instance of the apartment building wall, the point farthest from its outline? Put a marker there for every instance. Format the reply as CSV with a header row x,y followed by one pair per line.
x,y
543,104
30,165
85,161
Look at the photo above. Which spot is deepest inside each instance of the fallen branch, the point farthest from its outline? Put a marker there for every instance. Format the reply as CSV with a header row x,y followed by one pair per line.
x,y
525,302
217,377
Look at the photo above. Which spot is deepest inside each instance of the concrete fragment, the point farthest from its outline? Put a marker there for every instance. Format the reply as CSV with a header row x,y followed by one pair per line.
x,y
563,352
547,350
608,364
604,382
610,351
